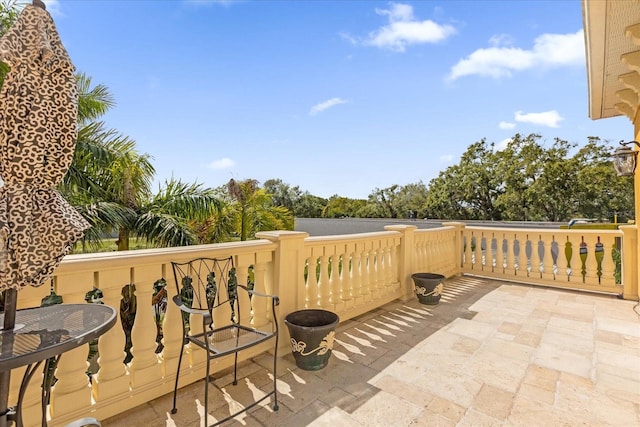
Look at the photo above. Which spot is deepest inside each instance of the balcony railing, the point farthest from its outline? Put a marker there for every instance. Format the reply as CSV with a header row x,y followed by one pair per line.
x,y
577,259
348,274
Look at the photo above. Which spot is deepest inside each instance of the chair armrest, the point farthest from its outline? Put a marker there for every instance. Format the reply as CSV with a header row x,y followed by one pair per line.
x,y
275,298
186,309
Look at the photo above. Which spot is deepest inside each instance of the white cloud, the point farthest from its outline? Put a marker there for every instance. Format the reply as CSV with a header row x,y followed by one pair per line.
x,y
224,163
506,125
348,37
318,108
402,30
549,50
501,40
546,118
446,158
398,12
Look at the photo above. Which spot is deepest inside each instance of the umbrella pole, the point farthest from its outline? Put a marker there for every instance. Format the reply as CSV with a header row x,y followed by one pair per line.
x,y
10,299
5,378
10,303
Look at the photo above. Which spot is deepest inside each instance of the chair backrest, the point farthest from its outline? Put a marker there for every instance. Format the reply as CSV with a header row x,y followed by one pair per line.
x,y
208,283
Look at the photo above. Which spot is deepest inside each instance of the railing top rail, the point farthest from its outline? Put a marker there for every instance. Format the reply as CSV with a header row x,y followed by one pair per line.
x,y
350,237
547,230
104,260
435,230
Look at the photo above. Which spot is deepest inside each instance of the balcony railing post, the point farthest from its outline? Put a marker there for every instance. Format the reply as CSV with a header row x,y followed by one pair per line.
x,y
458,244
288,274
407,250
629,261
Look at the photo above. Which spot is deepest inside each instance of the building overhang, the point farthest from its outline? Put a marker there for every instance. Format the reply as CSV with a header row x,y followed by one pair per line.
x,y
612,43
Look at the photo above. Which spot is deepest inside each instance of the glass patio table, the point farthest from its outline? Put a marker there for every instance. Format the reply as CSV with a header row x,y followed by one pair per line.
x,y
45,333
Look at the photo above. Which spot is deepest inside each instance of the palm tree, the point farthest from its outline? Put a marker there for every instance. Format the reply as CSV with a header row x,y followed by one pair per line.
x,y
169,217
253,211
90,184
109,183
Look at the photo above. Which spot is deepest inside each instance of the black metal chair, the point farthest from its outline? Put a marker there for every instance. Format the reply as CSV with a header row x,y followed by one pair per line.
x,y
208,287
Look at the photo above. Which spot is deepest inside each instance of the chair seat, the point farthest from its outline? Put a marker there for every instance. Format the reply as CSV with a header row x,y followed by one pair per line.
x,y
230,339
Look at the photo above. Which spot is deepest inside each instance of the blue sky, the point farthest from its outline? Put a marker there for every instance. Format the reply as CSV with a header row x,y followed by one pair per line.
x,y
337,97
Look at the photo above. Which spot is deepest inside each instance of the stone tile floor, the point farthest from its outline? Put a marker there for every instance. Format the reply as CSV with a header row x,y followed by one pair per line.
x,y
490,354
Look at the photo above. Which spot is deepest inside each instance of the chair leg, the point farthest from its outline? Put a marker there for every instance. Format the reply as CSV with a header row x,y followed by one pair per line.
x,y
206,392
275,370
235,370
175,388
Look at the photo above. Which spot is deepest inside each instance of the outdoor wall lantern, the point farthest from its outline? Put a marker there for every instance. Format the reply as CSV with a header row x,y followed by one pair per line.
x,y
624,158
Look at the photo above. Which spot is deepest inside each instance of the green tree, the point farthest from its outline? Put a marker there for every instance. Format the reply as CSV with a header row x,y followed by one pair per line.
x,y
301,204
128,183
445,198
518,166
600,193
384,202
309,206
169,217
413,198
109,182
552,194
527,170
339,207
396,201
251,209
97,147
468,190
282,194
530,180
479,183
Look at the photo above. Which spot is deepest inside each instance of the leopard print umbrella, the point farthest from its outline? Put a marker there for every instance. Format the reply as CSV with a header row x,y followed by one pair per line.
x,y
38,131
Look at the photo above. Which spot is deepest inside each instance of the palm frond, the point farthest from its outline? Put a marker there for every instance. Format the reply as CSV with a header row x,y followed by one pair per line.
x,y
165,230
93,102
187,200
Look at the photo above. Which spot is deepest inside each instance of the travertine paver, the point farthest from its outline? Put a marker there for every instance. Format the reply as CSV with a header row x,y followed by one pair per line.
x,y
536,393
474,418
336,417
418,395
510,328
494,402
456,387
490,354
447,409
542,377
486,367
385,409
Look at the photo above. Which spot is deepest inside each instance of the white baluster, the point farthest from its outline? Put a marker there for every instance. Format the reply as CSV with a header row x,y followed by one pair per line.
x,y
145,367
112,379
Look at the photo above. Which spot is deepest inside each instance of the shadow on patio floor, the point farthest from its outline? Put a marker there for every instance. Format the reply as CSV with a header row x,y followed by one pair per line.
x,y
491,353
363,347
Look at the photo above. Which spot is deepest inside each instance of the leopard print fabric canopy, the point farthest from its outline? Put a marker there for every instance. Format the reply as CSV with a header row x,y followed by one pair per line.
x,y
38,131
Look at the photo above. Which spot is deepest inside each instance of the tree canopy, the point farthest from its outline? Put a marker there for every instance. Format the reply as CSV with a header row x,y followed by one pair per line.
x,y
531,180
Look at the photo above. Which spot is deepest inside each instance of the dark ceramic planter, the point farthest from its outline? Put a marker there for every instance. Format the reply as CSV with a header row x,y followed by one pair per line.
x,y
428,287
312,333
